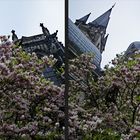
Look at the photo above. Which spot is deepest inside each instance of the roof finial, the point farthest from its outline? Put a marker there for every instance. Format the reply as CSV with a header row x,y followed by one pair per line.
x,y
114,5
44,30
102,21
14,36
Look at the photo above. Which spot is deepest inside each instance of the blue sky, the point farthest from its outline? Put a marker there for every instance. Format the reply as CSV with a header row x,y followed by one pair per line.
x,y
24,16
123,27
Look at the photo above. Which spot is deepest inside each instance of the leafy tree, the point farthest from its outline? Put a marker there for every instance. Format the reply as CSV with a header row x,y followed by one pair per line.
x,y
30,106
111,102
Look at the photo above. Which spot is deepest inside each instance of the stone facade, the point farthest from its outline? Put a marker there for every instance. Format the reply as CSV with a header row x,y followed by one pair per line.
x,y
89,37
44,44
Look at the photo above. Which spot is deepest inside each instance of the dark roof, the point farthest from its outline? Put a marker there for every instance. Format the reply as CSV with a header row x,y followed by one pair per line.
x,y
102,20
34,38
81,43
134,46
84,19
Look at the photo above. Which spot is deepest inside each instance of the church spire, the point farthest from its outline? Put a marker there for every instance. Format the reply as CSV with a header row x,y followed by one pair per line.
x,y
102,21
104,43
83,19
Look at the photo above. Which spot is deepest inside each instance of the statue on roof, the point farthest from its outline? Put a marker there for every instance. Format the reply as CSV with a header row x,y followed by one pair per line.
x,y
55,34
14,36
45,30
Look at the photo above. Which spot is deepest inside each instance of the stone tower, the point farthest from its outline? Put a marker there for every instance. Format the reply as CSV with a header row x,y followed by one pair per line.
x,y
95,30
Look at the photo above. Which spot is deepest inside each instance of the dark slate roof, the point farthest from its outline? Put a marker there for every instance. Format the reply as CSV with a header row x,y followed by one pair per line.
x,y
134,46
31,39
82,44
84,19
102,20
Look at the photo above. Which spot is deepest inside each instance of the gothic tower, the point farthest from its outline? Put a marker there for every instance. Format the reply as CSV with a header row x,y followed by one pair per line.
x,y
95,30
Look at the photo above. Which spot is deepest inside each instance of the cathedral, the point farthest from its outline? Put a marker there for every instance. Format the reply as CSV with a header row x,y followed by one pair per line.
x,y
89,37
83,38
44,44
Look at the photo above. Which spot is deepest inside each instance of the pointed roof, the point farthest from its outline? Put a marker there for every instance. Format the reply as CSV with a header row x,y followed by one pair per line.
x,y
104,42
105,39
102,20
84,19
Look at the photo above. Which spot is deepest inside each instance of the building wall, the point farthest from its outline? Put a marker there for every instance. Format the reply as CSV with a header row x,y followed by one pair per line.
x,y
82,43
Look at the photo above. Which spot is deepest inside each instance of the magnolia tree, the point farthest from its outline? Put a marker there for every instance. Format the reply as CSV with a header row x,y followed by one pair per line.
x,y
30,106
84,113
121,87
107,107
